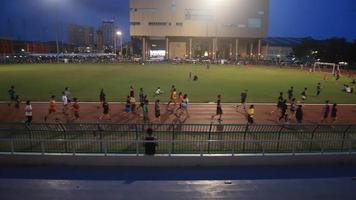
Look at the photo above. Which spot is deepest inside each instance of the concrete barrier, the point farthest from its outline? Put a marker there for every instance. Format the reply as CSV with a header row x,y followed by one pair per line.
x,y
178,161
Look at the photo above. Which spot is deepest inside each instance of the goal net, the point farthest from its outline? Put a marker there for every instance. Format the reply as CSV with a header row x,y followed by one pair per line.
x,y
326,67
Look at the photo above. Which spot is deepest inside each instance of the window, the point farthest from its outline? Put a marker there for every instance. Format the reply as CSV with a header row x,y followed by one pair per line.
x,y
179,24
135,23
144,9
157,23
198,14
174,6
254,23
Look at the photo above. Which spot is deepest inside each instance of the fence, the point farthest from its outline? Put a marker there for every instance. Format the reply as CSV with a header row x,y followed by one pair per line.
x,y
176,138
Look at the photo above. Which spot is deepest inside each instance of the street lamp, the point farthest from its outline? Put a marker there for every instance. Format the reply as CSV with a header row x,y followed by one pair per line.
x,y
119,33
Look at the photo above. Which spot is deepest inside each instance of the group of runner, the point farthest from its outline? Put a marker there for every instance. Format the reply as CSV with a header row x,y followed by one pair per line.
x,y
289,108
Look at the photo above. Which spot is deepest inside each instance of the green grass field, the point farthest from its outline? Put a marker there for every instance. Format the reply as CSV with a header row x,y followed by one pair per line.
x,y
38,82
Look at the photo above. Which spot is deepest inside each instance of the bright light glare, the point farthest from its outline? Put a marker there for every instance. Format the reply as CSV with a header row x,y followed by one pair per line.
x,y
119,33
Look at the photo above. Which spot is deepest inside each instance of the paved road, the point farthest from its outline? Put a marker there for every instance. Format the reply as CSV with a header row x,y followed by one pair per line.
x,y
298,182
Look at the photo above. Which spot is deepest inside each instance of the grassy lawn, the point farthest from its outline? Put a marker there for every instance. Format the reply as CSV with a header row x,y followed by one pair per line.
x,y
38,82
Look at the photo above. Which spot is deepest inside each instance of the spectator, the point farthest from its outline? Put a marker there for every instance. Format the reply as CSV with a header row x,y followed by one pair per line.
x,y
150,144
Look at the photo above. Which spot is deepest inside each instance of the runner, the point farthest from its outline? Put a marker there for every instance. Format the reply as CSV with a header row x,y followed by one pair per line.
x,y
102,96
290,93
132,101
279,103
158,92
251,114
17,101
128,105
12,95
304,95
65,104
145,111
106,110
28,113
132,92
67,93
334,113
157,110
219,111
326,111
284,108
52,107
142,95
75,109
184,109
243,97
318,89
293,109
299,115
173,97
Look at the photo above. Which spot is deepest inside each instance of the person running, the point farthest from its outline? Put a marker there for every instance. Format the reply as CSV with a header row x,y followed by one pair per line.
x,y
142,95
304,94
28,112
334,113
145,111
180,100
293,109
75,109
299,114
67,93
279,103
326,111
318,89
17,101
106,111
12,95
128,105
65,103
243,97
219,111
184,109
251,114
52,107
132,91
284,114
102,96
173,97
290,93
158,92
157,110
132,103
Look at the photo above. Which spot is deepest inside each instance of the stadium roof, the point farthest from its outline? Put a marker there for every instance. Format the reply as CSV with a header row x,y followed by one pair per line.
x,y
283,41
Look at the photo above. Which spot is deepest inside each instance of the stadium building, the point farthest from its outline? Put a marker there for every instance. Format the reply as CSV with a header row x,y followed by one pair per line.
x,y
200,28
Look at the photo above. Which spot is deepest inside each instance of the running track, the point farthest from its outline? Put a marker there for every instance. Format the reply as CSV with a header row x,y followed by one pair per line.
x,y
199,113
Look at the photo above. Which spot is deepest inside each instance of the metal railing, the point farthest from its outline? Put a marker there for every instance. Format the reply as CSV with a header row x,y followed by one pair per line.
x,y
232,139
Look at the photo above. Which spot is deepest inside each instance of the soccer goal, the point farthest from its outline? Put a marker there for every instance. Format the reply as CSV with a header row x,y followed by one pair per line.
x,y
326,66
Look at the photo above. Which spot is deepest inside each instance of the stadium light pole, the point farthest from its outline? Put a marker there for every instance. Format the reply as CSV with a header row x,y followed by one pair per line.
x,y
56,7
119,33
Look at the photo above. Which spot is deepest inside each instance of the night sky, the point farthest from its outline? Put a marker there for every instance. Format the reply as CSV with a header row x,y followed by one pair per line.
x,y
36,19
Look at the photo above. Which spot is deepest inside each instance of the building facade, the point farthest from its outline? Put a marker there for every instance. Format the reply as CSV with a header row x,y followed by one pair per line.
x,y
81,36
109,29
199,28
99,40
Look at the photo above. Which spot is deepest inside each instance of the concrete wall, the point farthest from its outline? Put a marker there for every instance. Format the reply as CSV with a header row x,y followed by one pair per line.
x,y
199,18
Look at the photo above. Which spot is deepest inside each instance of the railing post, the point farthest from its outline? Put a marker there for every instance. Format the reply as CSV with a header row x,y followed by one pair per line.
x,y
344,137
209,137
312,138
12,146
42,148
244,139
279,137
137,141
173,138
